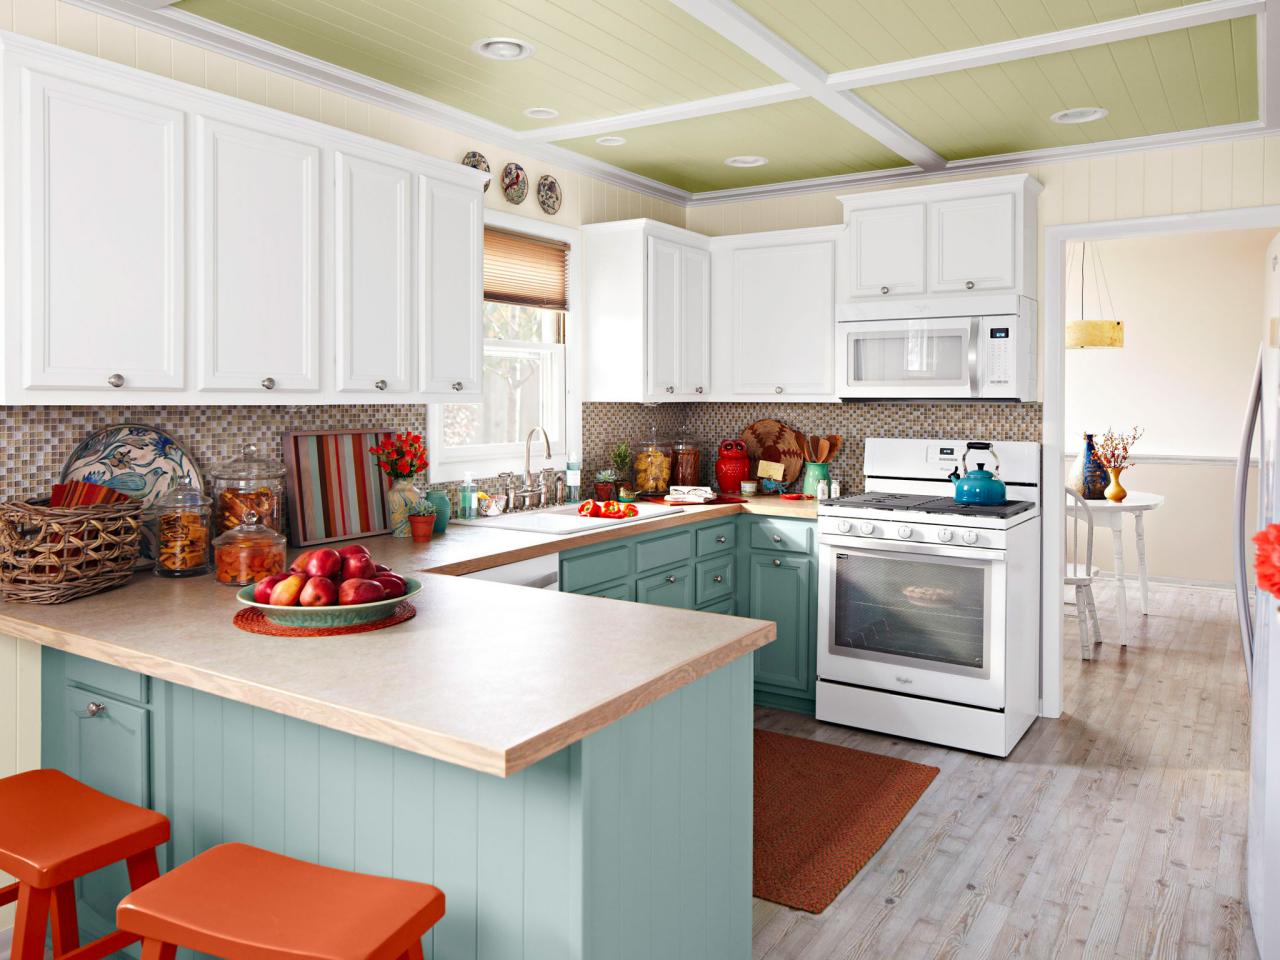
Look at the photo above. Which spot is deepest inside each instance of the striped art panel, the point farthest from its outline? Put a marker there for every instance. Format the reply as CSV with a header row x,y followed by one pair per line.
x,y
336,491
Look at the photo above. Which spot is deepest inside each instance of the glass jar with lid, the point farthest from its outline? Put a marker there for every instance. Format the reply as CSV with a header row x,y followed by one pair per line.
x,y
686,461
248,552
653,465
182,531
249,482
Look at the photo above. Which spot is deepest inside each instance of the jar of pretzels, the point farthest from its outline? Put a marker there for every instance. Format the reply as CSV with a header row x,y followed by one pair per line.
x,y
248,553
249,482
182,532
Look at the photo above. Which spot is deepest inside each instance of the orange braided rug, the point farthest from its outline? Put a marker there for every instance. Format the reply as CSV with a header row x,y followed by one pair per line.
x,y
253,620
821,812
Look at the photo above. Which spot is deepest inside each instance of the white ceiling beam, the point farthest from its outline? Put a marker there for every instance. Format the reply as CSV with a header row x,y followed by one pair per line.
x,y
1059,41
749,34
1269,66
154,4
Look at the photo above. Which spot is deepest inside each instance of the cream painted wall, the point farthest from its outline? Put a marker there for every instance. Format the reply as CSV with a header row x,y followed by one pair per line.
x,y
1192,306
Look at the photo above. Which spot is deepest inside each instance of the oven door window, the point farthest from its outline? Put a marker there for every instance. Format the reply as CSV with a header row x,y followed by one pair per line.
x,y
913,353
930,613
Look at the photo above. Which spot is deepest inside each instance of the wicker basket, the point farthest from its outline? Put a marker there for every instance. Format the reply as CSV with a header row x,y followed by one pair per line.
x,y
56,554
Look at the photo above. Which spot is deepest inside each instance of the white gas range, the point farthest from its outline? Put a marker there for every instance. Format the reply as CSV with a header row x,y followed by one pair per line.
x,y
928,610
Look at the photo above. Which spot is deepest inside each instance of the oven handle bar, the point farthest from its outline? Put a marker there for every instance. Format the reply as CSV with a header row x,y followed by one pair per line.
x,y
932,550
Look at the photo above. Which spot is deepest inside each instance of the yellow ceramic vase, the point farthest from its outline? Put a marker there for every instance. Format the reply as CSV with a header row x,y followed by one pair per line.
x,y
1115,492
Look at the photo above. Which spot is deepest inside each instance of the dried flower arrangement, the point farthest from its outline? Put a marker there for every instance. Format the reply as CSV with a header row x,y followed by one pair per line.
x,y
1113,448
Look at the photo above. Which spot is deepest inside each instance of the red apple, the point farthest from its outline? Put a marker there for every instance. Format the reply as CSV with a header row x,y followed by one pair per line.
x,y
358,566
319,592
360,591
262,589
353,549
323,563
285,593
300,561
392,584
382,568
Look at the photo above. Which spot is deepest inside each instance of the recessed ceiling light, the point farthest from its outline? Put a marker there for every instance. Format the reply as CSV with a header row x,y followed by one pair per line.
x,y
611,141
502,48
1078,115
746,161
542,113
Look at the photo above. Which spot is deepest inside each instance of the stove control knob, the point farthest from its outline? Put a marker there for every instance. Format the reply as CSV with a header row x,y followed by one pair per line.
x,y
845,526
866,528
944,535
904,532
970,537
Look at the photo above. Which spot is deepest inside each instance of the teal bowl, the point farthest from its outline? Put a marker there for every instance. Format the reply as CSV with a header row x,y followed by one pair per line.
x,y
348,616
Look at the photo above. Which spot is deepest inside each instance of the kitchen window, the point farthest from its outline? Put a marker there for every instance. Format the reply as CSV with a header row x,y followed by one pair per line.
x,y
526,370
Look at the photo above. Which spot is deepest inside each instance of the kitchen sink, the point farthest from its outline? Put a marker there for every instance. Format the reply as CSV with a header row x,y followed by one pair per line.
x,y
562,520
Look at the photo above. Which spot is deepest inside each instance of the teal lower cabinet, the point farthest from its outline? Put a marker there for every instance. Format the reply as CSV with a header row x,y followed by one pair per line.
x,y
633,843
761,567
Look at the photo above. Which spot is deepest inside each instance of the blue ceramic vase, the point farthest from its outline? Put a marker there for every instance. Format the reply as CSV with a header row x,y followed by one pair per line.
x,y
1088,475
443,508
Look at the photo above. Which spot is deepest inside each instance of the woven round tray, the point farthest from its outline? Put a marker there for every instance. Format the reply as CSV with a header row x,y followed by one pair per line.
x,y
253,620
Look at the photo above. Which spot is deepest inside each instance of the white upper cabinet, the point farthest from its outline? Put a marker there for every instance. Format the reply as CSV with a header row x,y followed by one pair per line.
x,y
451,291
257,260
96,252
780,313
888,254
164,243
373,274
648,316
970,236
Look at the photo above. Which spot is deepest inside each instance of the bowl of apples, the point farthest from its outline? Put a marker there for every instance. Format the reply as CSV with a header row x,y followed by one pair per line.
x,y
330,588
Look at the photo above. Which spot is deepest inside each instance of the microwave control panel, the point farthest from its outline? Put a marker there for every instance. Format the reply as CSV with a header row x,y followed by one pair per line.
x,y
1006,356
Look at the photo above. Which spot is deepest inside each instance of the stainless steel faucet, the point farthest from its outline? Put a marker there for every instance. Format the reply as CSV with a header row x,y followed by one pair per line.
x,y
533,493
528,441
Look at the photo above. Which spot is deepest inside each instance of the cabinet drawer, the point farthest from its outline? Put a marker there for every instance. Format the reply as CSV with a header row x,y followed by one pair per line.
x,y
724,606
580,571
664,550
671,588
622,590
714,579
108,679
714,539
775,535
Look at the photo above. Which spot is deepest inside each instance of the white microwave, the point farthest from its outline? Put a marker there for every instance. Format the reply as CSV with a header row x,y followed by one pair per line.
x,y
955,347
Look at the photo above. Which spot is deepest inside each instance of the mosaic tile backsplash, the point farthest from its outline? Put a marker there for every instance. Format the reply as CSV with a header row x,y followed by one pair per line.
x,y
603,424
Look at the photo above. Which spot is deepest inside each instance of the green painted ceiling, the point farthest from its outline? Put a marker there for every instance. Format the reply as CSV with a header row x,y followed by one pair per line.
x,y
598,58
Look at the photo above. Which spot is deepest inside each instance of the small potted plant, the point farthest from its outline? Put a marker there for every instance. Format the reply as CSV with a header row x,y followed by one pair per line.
x,y
606,484
422,520
620,459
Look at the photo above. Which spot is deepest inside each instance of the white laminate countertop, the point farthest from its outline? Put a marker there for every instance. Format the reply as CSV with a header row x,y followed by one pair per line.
x,y
487,676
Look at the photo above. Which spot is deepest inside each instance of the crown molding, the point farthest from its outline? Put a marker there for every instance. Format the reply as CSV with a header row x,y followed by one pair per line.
x,y
180,25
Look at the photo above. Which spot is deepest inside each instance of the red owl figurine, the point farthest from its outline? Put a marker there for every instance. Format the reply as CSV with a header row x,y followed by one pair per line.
x,y
732,466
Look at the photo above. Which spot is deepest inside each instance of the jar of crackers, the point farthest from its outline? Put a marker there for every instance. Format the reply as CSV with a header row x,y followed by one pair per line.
x,y
653,466
249,482
182,532
248,552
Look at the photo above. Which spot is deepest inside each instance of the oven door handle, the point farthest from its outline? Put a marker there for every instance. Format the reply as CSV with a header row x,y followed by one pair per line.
x,y
975,329
895,549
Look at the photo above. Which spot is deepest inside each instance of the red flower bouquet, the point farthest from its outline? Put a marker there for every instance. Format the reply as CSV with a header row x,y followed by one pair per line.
x,y
1267,561
402,456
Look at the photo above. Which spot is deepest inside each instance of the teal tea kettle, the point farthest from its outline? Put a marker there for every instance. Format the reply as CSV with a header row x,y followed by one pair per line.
x,y
981,487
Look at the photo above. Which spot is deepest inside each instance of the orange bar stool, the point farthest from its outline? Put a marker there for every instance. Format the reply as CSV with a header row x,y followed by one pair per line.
x,y
54,829
244,903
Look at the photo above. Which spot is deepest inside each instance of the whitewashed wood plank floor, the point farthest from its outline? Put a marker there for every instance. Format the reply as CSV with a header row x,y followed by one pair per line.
x,y
1116,831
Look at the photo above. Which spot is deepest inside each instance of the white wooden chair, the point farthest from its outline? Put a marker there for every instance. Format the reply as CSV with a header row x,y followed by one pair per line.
x,y
1081,571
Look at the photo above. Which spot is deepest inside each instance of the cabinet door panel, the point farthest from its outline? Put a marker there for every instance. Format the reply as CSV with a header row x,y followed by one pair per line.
x,y
373,275
663,319
102,253
888,250
783,321
257,259
451,288
695,322
671,588
780,592
973,244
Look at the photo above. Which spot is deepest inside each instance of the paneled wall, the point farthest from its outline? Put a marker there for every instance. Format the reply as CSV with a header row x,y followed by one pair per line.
x,y
19,725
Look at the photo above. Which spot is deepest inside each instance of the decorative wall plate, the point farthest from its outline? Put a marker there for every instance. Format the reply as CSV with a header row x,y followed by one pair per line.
x,y
478,161
549,194
515,183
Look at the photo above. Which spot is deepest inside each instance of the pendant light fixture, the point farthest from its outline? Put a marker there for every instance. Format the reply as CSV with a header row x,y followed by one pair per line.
x,y
1084,333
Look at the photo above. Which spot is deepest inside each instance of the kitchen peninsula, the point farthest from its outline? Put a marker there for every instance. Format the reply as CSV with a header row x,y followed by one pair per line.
x,y
574,772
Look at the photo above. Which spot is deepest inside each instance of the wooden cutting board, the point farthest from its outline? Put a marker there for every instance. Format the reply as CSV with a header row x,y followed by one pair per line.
x,y
764,433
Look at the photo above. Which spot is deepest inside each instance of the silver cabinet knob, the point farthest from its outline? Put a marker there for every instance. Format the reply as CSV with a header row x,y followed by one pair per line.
x,y
777,539
884,290
968,284
379,384
722,539
94,708
777,389
456,386
671,389
717,579
671,579
777,563
268,383
115,380
697,390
